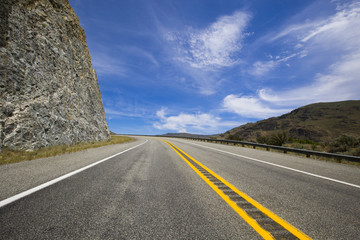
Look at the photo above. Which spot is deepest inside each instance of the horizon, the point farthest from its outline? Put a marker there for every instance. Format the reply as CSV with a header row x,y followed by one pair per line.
x,y
189,133
206,67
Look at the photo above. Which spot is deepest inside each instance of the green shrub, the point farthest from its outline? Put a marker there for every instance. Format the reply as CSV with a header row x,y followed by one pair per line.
x,y
303,141
277,139
234,137
342,144
262,139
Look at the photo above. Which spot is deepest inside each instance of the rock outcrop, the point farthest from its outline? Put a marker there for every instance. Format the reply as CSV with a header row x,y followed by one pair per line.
x,y
49,93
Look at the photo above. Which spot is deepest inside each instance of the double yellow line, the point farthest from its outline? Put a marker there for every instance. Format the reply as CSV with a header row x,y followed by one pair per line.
x,y
209,177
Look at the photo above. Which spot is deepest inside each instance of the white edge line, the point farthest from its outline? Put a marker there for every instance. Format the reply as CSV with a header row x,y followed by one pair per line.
x,y
51,182
280,166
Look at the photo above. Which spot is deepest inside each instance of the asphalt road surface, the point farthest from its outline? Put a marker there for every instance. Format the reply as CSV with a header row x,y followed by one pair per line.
x,y
179,189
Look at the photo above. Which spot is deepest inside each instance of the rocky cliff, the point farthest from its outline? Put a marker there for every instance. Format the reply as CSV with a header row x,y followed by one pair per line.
x,y
49,93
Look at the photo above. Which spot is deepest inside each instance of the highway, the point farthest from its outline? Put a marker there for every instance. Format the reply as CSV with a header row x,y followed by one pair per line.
x,y
166,188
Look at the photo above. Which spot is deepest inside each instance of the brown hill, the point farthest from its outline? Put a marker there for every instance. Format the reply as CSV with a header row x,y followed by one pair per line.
x,y
318,122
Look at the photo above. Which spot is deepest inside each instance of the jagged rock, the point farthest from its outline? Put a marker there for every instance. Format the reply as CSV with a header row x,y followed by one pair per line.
x,y
49,90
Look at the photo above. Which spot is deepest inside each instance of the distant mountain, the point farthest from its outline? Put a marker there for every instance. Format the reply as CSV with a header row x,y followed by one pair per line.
x,y
318,122
184,135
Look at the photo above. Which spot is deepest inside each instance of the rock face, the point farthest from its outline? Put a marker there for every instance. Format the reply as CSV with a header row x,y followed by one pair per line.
x,y
49,90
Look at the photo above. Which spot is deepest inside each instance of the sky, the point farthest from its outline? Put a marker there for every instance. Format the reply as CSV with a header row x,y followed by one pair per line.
x,y
207,66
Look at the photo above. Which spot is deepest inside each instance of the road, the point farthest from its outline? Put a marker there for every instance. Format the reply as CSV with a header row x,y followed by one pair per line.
x,y
180,189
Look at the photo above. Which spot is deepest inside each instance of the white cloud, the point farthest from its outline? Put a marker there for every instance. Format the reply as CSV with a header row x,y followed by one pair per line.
x,y
201,54
343,26
293,30
215,45
341,83
336,39
161,113
202,123
262,68
250,107
334,31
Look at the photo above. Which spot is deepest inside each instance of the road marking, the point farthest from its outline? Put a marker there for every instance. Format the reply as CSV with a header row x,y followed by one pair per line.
x,y
44,185
262,220
280,166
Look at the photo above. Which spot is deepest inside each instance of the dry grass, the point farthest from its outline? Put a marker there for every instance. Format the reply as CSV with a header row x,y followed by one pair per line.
x,y
14,156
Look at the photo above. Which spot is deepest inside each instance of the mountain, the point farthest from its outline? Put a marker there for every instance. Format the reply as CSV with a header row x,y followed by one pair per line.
x,y
319,122
49,91
184,135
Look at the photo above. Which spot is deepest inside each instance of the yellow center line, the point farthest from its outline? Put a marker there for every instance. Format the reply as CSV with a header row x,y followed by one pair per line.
x,y
252,222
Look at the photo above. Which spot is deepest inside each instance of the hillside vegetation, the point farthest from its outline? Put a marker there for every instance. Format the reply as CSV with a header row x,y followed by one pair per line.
x,y
332,127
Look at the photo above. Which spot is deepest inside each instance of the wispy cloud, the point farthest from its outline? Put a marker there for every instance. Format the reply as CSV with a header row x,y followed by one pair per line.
x,y
334,35
332,29
202,123
337,29
206,83
139,53
214,46
250,107
336,38
260,68
112,113
104,64
341,83
202,54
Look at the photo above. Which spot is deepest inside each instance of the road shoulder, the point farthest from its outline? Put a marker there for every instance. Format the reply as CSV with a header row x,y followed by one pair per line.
x,y
19,177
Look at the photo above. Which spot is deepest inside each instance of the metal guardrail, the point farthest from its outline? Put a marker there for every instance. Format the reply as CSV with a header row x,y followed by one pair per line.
x,y
307,153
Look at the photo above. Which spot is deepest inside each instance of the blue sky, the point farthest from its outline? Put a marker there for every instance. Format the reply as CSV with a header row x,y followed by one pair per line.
x,y
206,66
